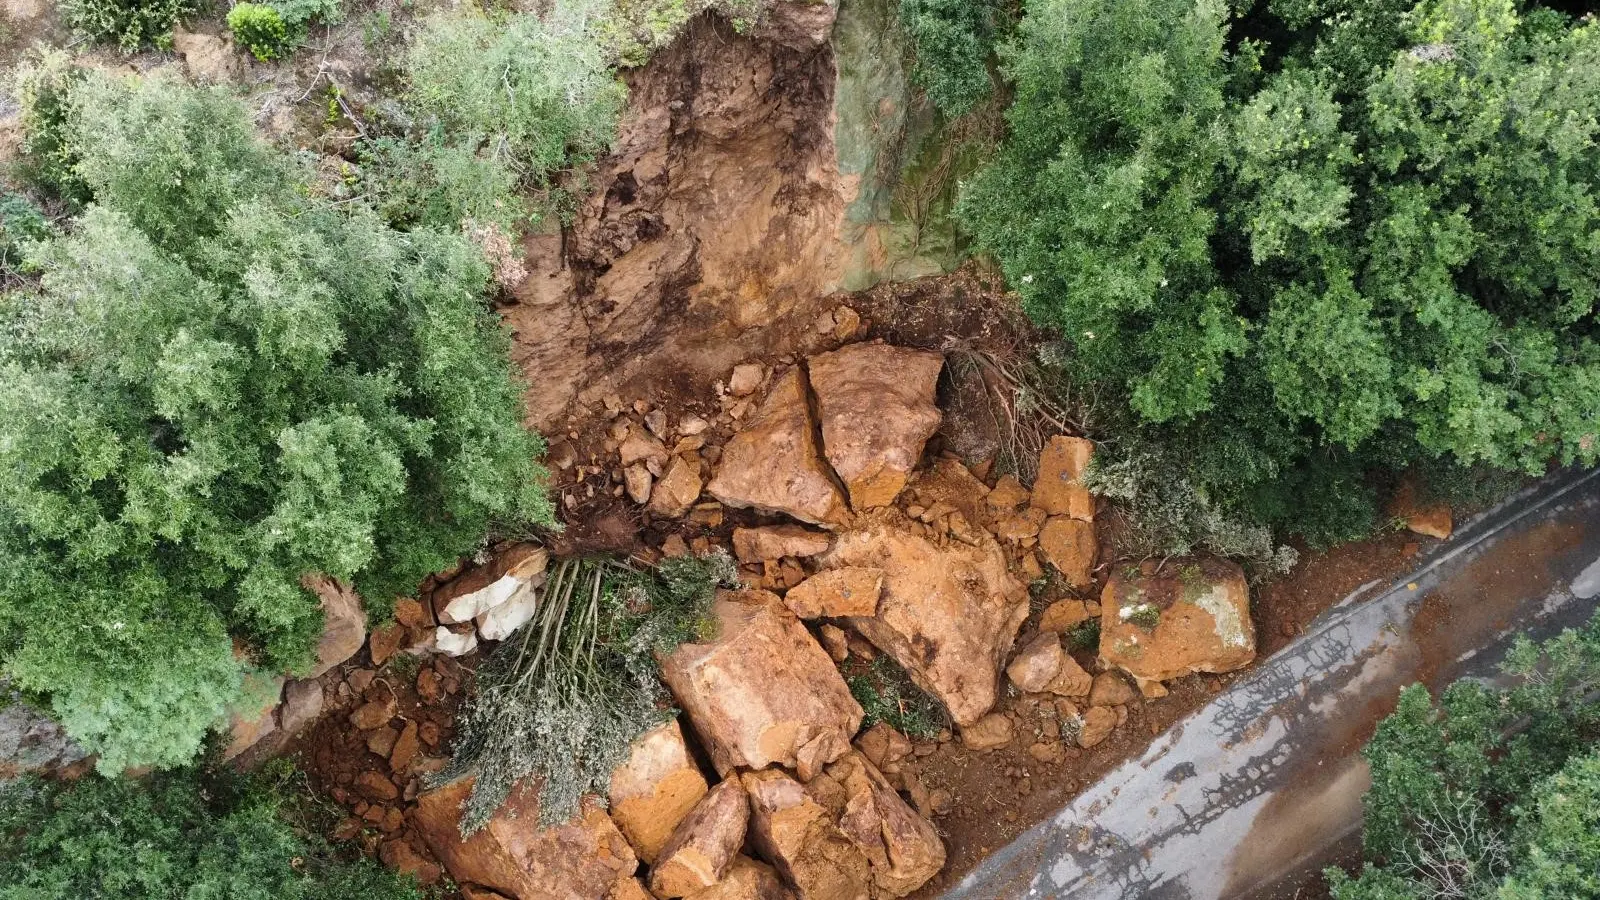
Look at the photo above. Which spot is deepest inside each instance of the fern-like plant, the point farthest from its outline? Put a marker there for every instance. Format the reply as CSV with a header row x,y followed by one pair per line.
x,y
566,694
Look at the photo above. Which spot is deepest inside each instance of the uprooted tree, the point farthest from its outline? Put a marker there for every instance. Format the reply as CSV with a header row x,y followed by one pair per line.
x,y
220,384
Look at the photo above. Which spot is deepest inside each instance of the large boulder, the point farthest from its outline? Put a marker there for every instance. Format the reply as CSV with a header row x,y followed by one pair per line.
x,y
1159,623
800,837
652,792
582,859
31,741
773,465
704,844
763,691
948,613
902,848
876,406
344,625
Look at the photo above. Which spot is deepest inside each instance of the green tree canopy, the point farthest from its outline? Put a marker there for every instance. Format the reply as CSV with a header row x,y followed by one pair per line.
x,y
221,385
1315,238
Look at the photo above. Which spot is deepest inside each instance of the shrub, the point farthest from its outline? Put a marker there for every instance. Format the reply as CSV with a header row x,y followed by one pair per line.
x,y
566,694
887,694
21,222
1482,794
952,41
130,24
260,29
184,834
222,385
1315,257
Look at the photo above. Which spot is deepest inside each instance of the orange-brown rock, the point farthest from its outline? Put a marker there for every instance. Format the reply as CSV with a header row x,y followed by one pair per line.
x,y
800,838
902,848
582,859
652,792
948,613
947,482
678,489
627,889
1008,494
385,642
773,464
991,731
1059,490
704,844
249,723
1069,545
1071,680
344,625
747,879
1020,527
482,588
1433,520
882,745
875,403
1062,615
754,545
1110,689
1201,615
1037,663
1098,723
763,689
401,857
836,593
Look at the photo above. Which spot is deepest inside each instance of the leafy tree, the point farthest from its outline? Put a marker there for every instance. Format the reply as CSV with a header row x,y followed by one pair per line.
x,y
220,386
953,40
1313,238
1484,793
182,834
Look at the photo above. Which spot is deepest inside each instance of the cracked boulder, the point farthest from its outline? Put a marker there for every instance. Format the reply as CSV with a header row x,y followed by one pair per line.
x,y
475,593
704,844
948,612
763,691
801,838
1187,616
902,848
773,464
582,859
875,403
344,625
652,792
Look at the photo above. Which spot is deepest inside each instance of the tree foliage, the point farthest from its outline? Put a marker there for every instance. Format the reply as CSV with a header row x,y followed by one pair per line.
x,y
177,835
1315,238
953,41
220,386
1490,792
130,24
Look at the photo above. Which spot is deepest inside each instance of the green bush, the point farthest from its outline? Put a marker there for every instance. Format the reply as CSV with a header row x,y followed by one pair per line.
x,y
130,24
887,694
1490,792
20,223
222,385
260,29
178,835
952,41
1359,242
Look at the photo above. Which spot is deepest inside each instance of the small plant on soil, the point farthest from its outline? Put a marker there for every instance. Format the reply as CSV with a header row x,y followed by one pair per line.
x,y
1084,636
1144,615
566,694
887,694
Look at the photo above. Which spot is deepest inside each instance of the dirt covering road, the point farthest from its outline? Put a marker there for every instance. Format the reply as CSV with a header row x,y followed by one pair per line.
x,y
1263,784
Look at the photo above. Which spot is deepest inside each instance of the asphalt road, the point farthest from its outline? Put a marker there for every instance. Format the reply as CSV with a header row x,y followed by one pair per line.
x,y
1242,797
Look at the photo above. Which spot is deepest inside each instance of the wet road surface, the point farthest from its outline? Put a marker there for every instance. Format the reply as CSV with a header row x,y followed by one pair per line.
x,y
1265,783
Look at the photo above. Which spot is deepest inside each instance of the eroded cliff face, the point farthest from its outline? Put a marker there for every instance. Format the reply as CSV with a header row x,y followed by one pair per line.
x,y
712,229
748,183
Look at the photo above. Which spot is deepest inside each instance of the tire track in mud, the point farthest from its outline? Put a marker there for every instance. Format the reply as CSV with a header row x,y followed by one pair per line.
x,y
1265,781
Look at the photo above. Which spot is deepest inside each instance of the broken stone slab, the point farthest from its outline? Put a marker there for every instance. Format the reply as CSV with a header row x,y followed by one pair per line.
x,y
948,614
1069,544
31,741
1037,663
1187,616
902,848
582,859
747,879
754,545
1071,680
949,483
799,836
763,689
875,403
499,622
344,624
454,643
652,792
704,844
773,464
484,587
1063,615
678,489
1058,489
837,593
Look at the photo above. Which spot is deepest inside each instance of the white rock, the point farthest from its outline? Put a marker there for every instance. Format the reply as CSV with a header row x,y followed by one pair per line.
x,y
498,623
527,572
451,644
